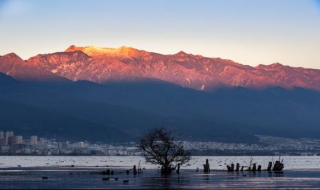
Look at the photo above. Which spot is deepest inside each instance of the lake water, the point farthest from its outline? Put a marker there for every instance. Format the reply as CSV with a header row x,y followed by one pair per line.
x,y
27,172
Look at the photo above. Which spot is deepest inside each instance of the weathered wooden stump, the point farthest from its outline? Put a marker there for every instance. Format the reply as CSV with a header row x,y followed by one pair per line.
x,y
259,168
237,167
232,167
278,166
206,167
242,168
134,170
229,168
269,166
254,167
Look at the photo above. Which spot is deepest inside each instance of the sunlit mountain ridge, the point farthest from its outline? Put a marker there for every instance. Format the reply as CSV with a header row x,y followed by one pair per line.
x,y
103,65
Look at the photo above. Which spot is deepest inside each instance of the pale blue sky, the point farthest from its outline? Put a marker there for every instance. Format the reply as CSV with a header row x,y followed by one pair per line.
x,y
250,32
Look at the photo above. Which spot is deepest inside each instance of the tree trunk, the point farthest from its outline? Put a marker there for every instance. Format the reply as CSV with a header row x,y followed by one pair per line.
x,y
166,169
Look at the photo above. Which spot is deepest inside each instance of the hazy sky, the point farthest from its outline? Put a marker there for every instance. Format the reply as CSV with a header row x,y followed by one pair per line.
x,y
250,32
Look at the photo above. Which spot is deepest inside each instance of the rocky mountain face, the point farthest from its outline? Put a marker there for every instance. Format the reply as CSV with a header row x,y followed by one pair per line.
x,y
12,65
102,65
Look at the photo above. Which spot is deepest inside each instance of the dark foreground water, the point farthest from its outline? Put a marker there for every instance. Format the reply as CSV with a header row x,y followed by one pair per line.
x,y
88,178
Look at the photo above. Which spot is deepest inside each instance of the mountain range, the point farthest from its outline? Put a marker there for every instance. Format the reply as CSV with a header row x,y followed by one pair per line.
x,y
116,94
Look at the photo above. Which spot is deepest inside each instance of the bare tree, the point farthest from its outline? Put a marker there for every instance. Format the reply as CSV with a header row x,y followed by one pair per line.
x,y
159,147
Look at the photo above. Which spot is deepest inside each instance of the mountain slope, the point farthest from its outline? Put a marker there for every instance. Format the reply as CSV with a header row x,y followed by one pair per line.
x,y
29,120
13,65
275,111
103,65
231,114
6,80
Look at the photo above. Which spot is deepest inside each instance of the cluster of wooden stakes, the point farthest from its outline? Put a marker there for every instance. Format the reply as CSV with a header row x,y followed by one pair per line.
x,y
277,167
111,172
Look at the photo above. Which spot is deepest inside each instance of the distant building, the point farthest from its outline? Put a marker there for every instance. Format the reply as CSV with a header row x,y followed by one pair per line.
x,y
43,140
16,148
2,139
81,144
1,135
18,139
2,142
5,149
11,140
33,140
8,134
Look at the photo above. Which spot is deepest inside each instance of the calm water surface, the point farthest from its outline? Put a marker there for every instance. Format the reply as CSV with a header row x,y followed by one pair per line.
x,y
85,175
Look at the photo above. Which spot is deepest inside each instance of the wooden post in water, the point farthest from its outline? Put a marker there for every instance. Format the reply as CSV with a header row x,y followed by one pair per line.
x,y
278,166
134,170
254,168
269,166
242,168
237,167
232,167
229,168
259,168
206,167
